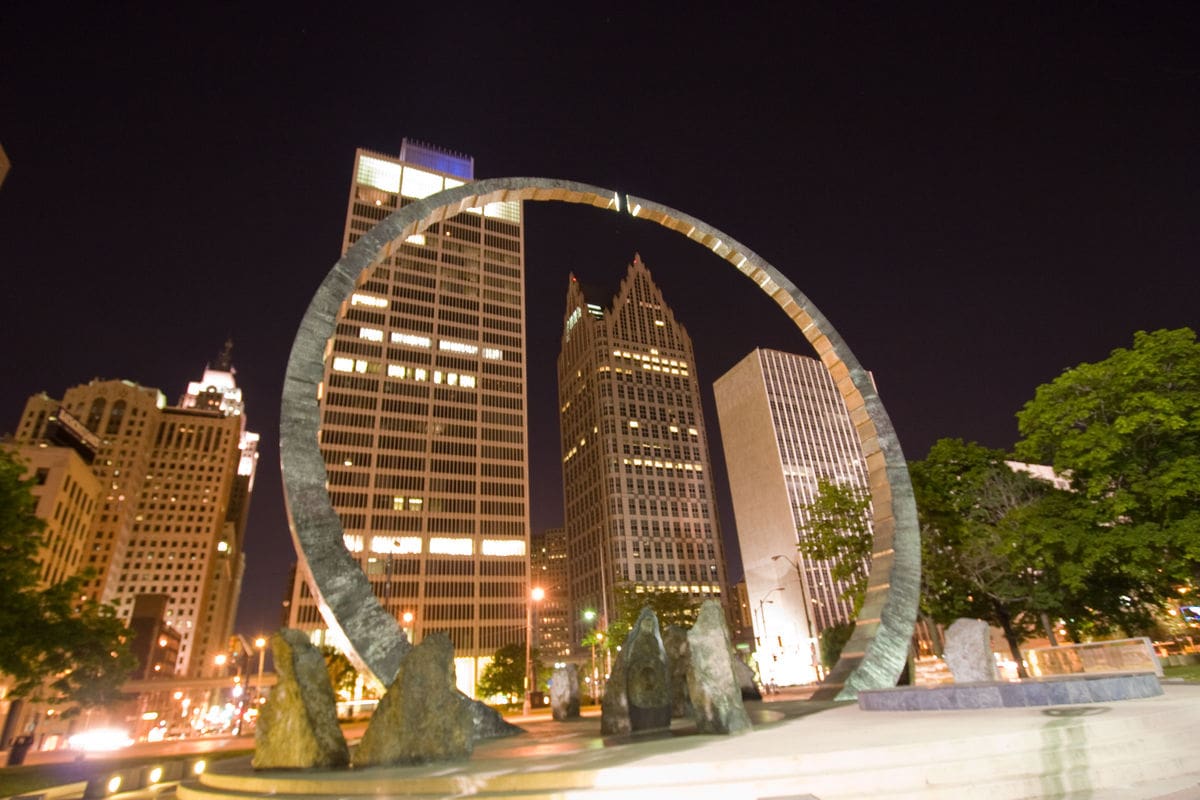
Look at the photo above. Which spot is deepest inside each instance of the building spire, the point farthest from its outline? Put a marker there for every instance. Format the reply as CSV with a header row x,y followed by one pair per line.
x,y
224,361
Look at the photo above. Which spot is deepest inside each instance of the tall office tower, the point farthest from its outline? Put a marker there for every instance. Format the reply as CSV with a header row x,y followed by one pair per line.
x,y
167,522
60,462
122,415
423,413
218,391
548,570
783,427
638,494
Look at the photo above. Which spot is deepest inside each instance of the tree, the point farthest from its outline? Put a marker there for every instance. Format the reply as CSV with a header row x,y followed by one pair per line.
x,y
838,532
55,644
505,675
1126,430
992,539
342,674
670,606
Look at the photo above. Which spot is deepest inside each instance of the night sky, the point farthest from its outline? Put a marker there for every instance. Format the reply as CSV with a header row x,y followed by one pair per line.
x,y
976,195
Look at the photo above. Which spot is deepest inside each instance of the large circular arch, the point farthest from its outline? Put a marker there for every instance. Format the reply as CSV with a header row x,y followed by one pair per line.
x,y
875,654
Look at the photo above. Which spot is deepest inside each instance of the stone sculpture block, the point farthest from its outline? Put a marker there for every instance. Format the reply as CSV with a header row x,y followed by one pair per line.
x,y
713,688
675,642
968,651
298,726
640,684
422,719
614,705
564,693
745,678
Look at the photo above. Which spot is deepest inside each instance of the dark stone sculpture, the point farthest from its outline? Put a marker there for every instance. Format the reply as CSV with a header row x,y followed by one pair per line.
x,y
421,719
638,695
713,688
564,693
745,678
675,643
614,705
298,726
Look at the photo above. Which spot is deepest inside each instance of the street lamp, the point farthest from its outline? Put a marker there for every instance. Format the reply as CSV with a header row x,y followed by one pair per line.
x,y
804,596
261,644
762,616
408,618
589,616
535,595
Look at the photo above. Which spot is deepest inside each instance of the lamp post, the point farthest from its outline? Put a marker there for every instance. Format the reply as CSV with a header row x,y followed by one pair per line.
x,y
261,644
762,615
535,595
590,616
812,639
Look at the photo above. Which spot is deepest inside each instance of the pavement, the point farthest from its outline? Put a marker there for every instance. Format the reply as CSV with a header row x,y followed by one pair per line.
x,y
799,750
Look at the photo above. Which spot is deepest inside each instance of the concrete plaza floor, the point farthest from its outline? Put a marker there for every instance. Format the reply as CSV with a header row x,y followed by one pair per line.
x,y
800,750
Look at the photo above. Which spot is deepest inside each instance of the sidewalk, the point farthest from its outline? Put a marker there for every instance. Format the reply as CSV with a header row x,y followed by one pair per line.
x,y
1128,750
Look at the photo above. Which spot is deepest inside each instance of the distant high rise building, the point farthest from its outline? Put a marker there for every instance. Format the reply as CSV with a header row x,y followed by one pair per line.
x,y
638,493
423,413
171,515
783,427
218,392
60,462
548,570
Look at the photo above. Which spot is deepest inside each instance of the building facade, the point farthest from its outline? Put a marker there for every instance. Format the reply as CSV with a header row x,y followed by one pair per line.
x,y
784,427
170,516
67,495
637,487
552,615
423,424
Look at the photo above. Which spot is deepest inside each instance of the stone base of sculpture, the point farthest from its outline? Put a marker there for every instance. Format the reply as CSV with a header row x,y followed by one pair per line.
x,y
298,726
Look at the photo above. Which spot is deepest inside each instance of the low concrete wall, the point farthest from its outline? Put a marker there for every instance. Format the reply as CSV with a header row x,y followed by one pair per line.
x,y
1055,691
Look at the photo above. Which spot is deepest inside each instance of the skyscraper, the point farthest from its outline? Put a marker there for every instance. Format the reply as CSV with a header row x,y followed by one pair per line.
x,y
784,427
171,514
423,424
638,494
60,463
549,571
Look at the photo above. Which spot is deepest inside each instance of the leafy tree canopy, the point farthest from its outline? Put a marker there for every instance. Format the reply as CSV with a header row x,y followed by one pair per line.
x,y
1126,431
671,607
988,547
55,645
505,675
838,532
342,674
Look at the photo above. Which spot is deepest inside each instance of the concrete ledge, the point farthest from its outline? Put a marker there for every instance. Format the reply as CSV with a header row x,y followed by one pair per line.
x,y
1059,690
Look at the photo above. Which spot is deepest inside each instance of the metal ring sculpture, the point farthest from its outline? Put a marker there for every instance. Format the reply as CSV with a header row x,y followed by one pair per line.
x,y
875,654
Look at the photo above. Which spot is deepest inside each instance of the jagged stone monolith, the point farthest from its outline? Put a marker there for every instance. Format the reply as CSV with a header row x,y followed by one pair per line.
x,y
614,704
564,693
675,643
638,695
968,651
745,678
487,720
298,726
422,718
713,689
